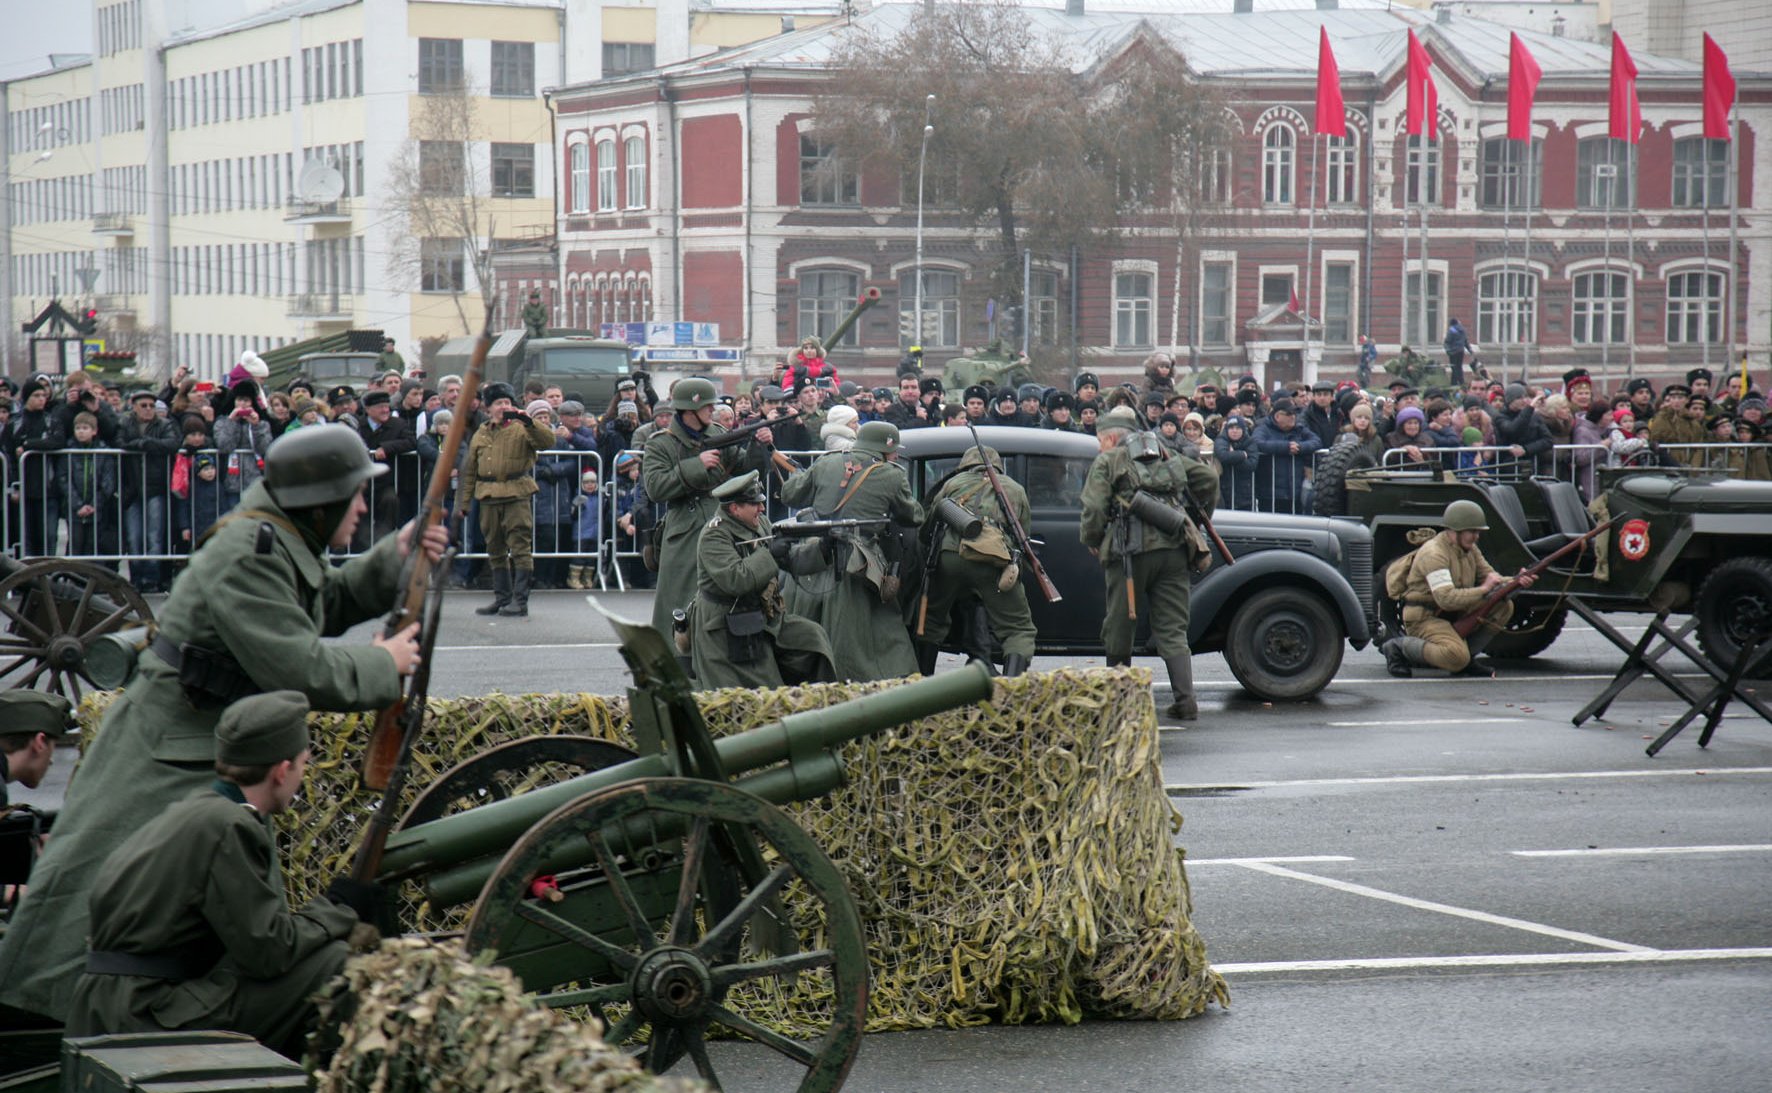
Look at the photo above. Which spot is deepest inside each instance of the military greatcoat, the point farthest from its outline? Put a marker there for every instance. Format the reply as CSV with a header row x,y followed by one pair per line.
x,y
866,632
201,883
265,598
674,476
735,576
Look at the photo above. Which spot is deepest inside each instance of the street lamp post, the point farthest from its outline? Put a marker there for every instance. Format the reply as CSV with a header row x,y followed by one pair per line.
x,y
922,158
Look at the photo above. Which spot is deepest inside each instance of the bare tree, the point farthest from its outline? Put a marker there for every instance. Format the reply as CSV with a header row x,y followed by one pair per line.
x,y
440,202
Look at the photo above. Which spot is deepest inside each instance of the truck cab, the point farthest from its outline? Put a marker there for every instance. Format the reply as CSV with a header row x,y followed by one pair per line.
x,y
332,369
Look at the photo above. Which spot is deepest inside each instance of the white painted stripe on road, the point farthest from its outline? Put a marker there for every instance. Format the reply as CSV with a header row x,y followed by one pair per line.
x,y
1506,678
1448,909
1493,960
1409,779
561,645
1425,721
1270,861
1627,851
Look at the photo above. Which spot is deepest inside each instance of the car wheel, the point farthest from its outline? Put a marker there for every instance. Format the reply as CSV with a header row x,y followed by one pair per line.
x,y
1284,644
1530,632
1330,497
1734,607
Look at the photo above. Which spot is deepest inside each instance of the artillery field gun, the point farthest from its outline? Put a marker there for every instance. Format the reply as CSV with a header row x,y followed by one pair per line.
x,y
56,612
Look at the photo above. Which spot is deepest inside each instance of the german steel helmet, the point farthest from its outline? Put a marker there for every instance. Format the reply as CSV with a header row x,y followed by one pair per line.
x,y
693,394
878,437
1463,515
319,465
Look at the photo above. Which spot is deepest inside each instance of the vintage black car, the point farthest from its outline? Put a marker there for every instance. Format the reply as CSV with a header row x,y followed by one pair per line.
x,y
1301,586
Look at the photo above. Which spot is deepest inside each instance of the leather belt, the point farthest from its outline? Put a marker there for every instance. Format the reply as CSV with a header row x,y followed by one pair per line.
x,y
167,965
217,678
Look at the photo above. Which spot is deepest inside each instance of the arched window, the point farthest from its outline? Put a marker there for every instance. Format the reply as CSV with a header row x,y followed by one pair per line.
x,y
1601,307
634,156
1278,165
605,176
1342,183
579,163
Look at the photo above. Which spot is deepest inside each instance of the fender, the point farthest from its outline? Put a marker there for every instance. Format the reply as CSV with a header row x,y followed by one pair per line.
x,y
1214,591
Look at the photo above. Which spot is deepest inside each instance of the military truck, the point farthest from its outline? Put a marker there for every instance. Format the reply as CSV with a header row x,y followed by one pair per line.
x,y
993,366
331,369
577,360
1694,542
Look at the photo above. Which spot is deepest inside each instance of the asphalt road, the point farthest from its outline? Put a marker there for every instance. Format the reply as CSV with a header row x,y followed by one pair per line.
x,y
1429,884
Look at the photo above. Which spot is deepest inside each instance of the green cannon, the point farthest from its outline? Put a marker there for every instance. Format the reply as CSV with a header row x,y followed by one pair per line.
x,y
654,888
869,297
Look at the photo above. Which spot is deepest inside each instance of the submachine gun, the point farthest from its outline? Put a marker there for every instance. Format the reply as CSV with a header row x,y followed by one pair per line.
x,y
645,888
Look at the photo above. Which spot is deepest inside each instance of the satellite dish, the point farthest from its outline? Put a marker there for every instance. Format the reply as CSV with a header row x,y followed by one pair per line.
x,y
320,183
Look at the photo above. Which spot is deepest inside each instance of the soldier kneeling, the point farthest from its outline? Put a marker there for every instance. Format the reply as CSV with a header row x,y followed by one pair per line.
x,y
741,634
190,925
1448,577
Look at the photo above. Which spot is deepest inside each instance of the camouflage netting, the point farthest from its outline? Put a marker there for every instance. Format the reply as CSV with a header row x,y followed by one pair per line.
x,y
1013,862
416,1016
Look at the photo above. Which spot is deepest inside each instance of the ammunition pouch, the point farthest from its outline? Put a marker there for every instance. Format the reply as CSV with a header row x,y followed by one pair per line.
x,y
747,636
989,545
210,678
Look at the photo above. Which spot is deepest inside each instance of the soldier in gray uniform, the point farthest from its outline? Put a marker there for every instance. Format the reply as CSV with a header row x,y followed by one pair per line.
x,y
979,566
32,724
863,621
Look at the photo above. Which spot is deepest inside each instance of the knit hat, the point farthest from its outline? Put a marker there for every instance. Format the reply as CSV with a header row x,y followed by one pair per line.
x,y
1411,413
1473,436
626,407
539,406
1194,418
1514,391
844,416
263,729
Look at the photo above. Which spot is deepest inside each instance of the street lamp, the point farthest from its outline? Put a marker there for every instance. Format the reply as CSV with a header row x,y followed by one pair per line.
x,y
922,159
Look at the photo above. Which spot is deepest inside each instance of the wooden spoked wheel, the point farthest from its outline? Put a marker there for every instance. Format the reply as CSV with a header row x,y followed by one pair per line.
x,y
54,609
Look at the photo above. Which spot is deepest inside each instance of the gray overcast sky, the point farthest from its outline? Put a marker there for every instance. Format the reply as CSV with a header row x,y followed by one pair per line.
x,y
34,30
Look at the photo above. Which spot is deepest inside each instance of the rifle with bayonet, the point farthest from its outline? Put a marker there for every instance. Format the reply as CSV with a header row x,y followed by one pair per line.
x,y
1020,546
1468,623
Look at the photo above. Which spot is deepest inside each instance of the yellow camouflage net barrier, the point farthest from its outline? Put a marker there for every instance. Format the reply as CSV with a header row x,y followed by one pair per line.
x,y
1013,862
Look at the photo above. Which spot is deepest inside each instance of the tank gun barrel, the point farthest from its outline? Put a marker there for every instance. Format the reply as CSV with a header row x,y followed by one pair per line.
x,y
867,299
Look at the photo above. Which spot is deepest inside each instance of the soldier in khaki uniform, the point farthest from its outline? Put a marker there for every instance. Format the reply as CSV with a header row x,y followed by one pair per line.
x,y
1447,578
1158,565
1672,425
741,633
865,626
247,616
979,566
499,472
191,928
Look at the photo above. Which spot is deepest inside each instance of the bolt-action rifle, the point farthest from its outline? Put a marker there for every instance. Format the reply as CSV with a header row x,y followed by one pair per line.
x,y
1466,624
1018,535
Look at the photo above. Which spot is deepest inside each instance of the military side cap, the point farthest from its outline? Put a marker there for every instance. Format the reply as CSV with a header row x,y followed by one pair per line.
x,y
879,437
746,487
1120,417
263,729
693,393
1675,389
25,712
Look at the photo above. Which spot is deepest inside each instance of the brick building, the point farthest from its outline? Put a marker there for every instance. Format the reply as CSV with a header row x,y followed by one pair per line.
x,y
699,192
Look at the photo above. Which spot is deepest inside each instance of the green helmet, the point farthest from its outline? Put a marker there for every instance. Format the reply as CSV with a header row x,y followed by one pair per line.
x,y
1464,515
877,437
319,465
693,394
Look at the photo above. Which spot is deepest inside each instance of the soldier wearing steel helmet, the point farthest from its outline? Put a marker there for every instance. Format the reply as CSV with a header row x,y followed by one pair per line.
x,y
1447,578
680,474
247,616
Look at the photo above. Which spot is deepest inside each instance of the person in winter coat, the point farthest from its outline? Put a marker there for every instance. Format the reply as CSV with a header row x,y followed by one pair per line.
x,y
1159,373
1457,345
199,496
587,509
88,482
555,535
35,431
1234,452
81,395
1517,425
1321,416
1624,446
572,432
242,437
1286,448
1585,456
1364,433
1411,437
807,366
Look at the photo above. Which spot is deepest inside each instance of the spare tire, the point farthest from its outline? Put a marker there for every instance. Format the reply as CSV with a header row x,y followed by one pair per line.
x,y
1331,476
1533,629
1734,608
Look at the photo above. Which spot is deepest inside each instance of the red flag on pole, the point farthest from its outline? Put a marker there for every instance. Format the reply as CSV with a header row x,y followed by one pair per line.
x,y
1331,113
1626,115
1719,91
1423,100
1523,75
1292,304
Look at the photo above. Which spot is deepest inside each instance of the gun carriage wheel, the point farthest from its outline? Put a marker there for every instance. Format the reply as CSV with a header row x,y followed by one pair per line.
x,y
55,609
659,936
494,774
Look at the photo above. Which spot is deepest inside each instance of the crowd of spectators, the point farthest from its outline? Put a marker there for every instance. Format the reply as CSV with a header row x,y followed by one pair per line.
x,y
96,469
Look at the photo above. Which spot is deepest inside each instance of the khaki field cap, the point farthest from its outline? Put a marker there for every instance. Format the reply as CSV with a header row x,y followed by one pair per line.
x,y
319,465
1464,515
693,394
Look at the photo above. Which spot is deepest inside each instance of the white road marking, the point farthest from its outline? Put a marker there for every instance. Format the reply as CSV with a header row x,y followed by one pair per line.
x,y
1448,909
561,645
1627,851
1507,678
1270,861
1406,779
1494,960
1425,721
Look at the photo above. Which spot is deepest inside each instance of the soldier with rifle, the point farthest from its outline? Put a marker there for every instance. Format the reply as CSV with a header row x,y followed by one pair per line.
x,y
861,613
246,617
1149,559
1448,577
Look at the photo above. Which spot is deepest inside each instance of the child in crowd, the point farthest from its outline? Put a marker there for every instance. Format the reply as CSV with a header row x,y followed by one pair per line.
x,y
588,508
89,491
196,483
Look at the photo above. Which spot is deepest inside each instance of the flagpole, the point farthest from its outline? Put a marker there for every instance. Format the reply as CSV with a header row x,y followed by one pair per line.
x,y
1704,331
1611,195
1310,264
1734,135
1507,243
1630,243
1526,345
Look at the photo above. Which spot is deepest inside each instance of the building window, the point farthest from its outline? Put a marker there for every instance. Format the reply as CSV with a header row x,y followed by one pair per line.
x,y
634,161
1277,165
825,179
1338,303
1603,174
440,266
941,309
1421,183
1276,288
1215,177
1215,303
1695,308
1042,306
439,66
1134,300
513,170
1701,173
825,297
1413,333
1512,177
620,58
1507,307
605,176
579,167
1601,308
1343,181
513,69
441,167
